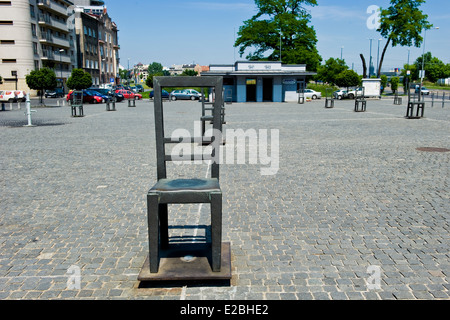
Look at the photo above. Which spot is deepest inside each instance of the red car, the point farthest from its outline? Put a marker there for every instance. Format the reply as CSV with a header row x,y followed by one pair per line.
x,y
127,94
87,97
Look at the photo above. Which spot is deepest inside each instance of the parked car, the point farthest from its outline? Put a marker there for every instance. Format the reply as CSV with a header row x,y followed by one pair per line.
x,y
7,96
88,97
140,88
352,94
311,94
94,92
424,91
186,94
109,93
164,94
55,93
340,94
129,94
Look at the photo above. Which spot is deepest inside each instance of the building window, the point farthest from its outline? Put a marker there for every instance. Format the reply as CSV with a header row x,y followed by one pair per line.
x,y
6,22
36,64
35,48
33,30
32,12
9,60
7,42
5,3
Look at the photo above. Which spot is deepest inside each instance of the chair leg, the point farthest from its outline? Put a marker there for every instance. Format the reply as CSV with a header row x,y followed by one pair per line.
x,y
164,225
153,231
216,230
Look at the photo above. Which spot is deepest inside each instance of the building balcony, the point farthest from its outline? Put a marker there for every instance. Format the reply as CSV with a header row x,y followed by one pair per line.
x,y
45,20
55,56
52,6
52,40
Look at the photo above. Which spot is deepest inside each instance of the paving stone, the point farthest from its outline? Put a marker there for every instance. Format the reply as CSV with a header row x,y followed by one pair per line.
x,y
351,192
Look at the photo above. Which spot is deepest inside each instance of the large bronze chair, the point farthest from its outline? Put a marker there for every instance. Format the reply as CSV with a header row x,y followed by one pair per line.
x,y
193,190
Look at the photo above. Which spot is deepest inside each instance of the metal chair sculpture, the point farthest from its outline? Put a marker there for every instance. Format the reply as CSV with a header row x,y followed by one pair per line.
x,y
415,102
77,102
209,117
360,101
176,191
329,98
397,100
301,93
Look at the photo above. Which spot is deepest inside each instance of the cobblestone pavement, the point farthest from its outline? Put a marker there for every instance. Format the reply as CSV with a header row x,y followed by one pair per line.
x,y
355,211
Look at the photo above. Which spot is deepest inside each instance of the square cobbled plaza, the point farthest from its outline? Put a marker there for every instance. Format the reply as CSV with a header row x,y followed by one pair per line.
x,y
349,207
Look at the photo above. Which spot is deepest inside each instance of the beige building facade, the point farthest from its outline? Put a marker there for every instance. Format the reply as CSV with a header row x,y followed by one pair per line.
x,y
58,34
35,34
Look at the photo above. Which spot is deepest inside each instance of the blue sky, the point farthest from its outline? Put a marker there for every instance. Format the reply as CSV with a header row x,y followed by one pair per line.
x,y
203,32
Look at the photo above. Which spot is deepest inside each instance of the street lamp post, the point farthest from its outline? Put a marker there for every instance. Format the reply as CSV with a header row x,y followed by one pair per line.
x,y
370,63
423,56
60,68
378,59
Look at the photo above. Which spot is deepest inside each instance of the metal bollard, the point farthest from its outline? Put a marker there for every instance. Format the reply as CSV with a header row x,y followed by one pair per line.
x,y
29,111
3,106
443,100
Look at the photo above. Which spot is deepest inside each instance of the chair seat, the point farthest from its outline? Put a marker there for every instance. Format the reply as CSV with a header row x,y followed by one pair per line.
x,y
186,185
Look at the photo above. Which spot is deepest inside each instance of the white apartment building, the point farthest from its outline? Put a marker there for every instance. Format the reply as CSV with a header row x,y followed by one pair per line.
x,y
35,34
58,34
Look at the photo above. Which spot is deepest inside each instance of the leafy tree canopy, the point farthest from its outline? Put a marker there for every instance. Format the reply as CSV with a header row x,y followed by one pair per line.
x,y
285,20
330,70
402,24
347,78
435,69
42,79
155,67
79,80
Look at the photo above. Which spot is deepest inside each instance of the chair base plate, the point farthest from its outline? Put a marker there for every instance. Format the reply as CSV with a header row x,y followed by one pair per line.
x,y
188,262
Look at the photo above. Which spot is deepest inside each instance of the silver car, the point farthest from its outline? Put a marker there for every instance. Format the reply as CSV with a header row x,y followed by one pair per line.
x,y
186,94
311,94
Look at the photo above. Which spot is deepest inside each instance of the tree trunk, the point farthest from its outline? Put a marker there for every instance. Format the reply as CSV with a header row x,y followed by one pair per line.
x,y
382,57
364,66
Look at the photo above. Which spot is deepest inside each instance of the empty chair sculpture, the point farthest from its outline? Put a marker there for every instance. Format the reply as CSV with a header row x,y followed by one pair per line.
x,y
194,190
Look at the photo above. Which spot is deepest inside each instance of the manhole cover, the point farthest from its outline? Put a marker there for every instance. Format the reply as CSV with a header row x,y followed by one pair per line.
x,y
431,149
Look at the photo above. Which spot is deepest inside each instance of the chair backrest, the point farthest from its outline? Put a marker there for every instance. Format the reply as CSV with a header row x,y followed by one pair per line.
x,y
161,140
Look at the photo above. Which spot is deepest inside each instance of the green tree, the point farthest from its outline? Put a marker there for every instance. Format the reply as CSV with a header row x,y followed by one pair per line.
x,y
123,74
402,24
284,21
42,79
435,69
189,73
155,67
347,78
394,84
79,80
330,70
384,81
149,81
